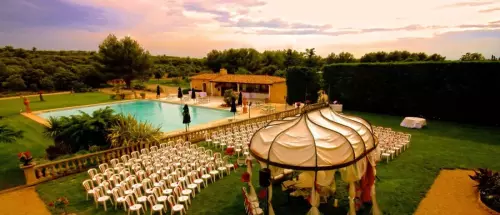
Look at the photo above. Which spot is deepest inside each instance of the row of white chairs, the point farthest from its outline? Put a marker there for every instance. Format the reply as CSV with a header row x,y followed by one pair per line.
x,y
165,177
391,143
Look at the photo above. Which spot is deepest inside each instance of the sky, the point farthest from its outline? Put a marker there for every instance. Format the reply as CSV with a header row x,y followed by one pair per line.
x,y
194,27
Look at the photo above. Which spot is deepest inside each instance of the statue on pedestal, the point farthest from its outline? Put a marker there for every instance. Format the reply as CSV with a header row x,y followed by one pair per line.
x,y
245,109
27,105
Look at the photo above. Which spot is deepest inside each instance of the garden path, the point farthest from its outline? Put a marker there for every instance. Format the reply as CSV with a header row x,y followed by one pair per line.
x,y
453,192
24,201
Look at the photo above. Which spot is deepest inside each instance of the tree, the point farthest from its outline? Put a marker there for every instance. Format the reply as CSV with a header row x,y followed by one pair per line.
x,y
331,58
9,135
493,58
435,57
124,59
345,57
242,71
292,58
214,60
312,60
472,57
47,84
159,73
14,82
186,117
64,79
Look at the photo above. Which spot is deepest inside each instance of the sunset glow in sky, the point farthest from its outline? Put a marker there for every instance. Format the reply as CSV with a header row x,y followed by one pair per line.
x,y
194,27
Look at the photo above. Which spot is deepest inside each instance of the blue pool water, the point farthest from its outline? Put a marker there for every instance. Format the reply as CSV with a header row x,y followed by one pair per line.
x,y
167,116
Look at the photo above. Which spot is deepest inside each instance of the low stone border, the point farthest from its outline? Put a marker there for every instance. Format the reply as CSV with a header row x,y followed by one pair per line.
x,y
484,206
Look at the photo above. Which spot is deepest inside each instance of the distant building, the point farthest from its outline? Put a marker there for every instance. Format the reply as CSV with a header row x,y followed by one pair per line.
x,y
253,87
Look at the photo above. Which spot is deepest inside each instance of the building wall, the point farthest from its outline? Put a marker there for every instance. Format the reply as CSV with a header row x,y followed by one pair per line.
x,y
198,85
278,93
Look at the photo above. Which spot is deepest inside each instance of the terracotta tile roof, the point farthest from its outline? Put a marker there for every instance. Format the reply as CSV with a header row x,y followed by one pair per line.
x,y
248,79
205,76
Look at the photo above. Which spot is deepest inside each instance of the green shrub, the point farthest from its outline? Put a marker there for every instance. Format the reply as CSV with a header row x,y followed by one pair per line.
x,y
79,87
456,91
113,97
94,148
79,132
139,86
128,131
47,84
228,96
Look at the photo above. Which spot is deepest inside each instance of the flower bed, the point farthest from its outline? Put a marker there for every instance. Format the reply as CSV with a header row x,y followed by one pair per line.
x,y
489,189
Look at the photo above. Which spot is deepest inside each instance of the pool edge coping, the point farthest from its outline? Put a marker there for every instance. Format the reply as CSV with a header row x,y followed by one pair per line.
x,y
40,120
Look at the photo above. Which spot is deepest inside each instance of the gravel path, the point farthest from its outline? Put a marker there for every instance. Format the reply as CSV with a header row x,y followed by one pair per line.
x,y
453,192
22,202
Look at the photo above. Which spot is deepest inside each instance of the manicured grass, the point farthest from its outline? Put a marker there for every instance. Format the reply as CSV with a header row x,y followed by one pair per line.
x,y
33,141
13,106
403,182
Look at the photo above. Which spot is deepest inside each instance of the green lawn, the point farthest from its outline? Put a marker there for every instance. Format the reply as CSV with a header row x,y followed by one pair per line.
x,y
33,141
403,182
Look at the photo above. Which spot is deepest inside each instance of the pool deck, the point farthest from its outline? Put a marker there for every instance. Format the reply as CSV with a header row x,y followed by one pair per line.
x,y
215,103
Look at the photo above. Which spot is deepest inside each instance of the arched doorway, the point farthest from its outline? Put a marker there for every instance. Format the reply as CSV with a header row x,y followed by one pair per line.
x,y
204,87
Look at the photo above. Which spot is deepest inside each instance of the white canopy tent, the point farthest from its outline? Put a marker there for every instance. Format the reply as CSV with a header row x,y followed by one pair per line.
x,y
315,141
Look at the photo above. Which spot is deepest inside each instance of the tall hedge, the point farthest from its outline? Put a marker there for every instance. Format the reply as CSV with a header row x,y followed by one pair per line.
x,y
300,79
455,91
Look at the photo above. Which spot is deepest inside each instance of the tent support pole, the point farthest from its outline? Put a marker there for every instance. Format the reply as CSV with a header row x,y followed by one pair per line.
x,y
352,195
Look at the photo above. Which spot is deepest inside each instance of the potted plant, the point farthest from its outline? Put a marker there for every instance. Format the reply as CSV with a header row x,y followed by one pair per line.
x,y
489,189
143,95
60,204
25,158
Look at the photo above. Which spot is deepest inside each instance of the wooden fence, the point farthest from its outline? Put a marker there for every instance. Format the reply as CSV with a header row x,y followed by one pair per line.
x,y
35,174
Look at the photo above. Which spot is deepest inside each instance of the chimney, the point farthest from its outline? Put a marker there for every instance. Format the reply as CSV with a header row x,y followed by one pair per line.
x,y
223,71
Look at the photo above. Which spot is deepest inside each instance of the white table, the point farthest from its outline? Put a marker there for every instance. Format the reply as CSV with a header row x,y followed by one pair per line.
x,y
413,122
336,107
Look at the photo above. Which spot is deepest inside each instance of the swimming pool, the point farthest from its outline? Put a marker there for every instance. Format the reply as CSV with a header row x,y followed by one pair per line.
x,y
166,115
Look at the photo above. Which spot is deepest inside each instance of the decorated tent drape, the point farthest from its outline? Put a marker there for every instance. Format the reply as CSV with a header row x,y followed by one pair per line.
x,y
316,141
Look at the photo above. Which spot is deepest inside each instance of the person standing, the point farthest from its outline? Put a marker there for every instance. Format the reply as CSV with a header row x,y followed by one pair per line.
x,y
157,91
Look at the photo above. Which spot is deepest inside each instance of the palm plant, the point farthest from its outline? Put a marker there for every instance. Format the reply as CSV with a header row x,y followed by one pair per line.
x,y
78,132
128,131
9,135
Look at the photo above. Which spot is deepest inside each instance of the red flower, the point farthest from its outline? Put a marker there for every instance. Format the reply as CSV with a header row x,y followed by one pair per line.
x,y
20,155
28,154
262,193
235,165
230,151
245,177
51,204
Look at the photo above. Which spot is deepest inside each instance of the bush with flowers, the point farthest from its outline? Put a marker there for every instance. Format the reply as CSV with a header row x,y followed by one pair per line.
x,y
25,158
60,204
229,151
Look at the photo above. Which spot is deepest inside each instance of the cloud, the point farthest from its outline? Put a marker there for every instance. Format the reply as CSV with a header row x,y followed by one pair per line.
x,y
193,27
467,4
490,10
54,13
451,44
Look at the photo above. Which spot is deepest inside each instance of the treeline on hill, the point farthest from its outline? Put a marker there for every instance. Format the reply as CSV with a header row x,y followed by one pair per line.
x,y
34,70
247,60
